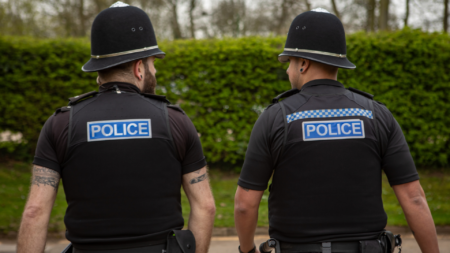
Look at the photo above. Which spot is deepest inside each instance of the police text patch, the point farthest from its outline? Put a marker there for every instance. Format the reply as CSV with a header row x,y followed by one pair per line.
x,y
333,130
119,129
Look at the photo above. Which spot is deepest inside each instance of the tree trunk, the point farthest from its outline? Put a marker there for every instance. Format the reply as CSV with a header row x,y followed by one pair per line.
x,y
370,23
175,25
405,21
336,12
308,5
81,18
282,18
191,17
383,20
446,16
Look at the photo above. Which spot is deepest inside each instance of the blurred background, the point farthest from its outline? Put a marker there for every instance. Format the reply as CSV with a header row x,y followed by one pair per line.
x,y
222,69
182,19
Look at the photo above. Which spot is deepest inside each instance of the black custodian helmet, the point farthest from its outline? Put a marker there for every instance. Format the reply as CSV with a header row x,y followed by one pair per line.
x,y
121,34
319,36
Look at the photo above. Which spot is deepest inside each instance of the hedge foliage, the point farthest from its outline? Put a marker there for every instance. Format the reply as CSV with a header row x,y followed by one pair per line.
x,y
223,85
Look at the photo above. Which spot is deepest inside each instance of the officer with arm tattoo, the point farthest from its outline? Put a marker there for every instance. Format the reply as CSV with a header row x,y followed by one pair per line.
x,y
122,153
326,147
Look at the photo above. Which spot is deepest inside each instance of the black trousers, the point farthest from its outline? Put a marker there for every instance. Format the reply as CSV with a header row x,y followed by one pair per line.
x,y
147,249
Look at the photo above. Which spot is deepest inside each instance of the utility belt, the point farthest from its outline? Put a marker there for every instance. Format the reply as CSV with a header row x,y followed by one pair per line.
x,y
178,241
385,243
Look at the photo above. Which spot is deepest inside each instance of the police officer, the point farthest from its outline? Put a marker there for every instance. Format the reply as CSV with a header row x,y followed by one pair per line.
x,y
122,153
326,147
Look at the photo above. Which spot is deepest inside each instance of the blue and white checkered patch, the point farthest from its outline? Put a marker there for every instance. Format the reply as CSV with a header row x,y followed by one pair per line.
x,y
329,113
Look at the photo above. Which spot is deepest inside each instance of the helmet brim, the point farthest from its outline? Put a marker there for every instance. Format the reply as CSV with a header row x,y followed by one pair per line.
x,y
325,59
94,65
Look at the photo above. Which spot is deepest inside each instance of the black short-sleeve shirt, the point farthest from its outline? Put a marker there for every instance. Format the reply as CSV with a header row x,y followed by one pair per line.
x,y
326,188
52,143
266,142
147,172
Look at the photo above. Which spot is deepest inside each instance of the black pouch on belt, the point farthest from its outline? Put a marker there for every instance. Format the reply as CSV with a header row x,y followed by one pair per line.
x,y
180,241
389,241
371,246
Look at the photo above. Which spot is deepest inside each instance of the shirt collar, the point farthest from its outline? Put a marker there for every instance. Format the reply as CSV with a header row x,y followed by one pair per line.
x,y
127,87
322,82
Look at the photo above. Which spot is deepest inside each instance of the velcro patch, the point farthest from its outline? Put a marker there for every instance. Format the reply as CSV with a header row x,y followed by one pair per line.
x,y
333,130
119,129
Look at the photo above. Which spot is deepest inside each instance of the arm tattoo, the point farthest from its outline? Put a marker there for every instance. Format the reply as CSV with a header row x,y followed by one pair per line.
x,y
245,189
198,179
44,176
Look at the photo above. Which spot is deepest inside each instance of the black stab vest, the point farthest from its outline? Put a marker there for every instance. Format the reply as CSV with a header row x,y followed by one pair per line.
x,y
327,190
121,191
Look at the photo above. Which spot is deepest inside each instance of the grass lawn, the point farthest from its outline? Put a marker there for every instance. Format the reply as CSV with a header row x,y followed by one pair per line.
x,y
15,181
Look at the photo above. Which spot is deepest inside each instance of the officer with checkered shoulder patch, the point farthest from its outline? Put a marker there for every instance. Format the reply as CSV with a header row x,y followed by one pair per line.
x,y
325,148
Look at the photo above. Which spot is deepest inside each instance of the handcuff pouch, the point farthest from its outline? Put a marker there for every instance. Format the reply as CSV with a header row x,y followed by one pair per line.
x,y
371,246
180,241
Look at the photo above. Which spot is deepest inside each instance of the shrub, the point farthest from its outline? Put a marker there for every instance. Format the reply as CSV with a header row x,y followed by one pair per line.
x,y
223,85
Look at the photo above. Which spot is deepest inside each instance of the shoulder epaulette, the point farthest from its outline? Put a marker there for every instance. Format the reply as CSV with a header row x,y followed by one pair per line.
x,y
379,102
62,109
176,107
365,94
157,97
285,95
76,99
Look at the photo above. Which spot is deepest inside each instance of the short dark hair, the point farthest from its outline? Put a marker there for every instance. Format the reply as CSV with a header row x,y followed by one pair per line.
x,y
123,69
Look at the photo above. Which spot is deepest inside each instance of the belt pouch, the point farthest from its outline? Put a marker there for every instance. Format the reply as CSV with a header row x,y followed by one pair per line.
x,y
180,241
387,240
68,249
370,246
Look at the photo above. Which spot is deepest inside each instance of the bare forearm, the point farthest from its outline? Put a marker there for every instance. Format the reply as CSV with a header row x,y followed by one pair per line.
x,y
419,218
412,199
246,221
32,234
201,223
33,228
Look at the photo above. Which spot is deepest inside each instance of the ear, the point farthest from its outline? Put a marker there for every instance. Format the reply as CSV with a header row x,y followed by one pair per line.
x,y
304,64
138,70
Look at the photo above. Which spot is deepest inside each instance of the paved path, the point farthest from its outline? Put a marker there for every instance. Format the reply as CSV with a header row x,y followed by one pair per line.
x,y
229,244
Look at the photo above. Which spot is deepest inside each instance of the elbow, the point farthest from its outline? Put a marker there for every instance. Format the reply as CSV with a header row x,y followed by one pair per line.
x,y
211,210
418,201
242,208
32,212
208,208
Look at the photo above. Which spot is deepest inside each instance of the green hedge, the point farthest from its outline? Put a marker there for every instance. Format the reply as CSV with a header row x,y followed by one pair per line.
x,y
223,85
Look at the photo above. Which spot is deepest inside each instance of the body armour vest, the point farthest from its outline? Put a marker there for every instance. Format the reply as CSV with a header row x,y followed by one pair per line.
x,y
327,183
121,174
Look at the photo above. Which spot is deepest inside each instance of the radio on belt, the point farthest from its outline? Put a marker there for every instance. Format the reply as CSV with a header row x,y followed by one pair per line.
x,y
119,129
333,130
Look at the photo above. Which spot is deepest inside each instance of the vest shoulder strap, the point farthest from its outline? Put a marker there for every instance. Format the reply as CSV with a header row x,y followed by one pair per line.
x,y
156,97
76,99
363,93
177,108
62,109
285,95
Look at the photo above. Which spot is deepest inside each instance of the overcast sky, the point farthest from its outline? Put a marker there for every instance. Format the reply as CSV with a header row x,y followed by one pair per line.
x,y
424,14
